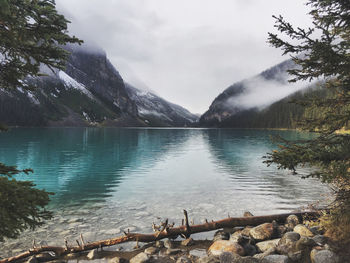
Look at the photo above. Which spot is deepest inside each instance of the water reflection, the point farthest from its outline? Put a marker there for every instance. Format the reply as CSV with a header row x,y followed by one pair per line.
x,y
97,164
85,164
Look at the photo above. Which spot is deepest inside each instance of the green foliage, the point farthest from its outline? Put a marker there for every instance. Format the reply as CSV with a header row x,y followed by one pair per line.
x,y
21,205
321,52
31,32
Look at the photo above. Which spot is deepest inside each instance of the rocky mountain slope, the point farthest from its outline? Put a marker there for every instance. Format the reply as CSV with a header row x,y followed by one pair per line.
x,y
89,92
259,102
156,111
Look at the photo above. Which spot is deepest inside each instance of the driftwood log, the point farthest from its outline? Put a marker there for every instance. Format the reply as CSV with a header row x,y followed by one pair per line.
x,y
165,231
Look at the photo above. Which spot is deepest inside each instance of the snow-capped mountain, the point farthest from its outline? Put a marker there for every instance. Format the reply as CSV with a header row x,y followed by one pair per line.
x,y
89,92
158,112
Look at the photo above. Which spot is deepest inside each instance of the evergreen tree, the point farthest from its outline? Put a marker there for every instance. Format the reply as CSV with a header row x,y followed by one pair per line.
x,y
31,35
322,52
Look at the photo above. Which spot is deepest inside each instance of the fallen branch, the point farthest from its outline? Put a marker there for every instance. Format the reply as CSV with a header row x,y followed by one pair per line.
x,y
165,232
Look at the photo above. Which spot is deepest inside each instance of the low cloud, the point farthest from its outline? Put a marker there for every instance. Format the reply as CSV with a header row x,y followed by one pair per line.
x,y
261,93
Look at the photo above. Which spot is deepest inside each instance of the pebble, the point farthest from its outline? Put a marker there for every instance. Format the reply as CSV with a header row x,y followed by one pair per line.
x,y
173,251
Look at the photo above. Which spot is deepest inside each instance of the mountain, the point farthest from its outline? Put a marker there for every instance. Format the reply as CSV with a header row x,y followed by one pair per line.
x,y
156,111
260,102
89,92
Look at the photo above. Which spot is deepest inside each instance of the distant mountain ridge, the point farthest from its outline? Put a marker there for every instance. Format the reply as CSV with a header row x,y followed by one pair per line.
x,y
232,108
89,92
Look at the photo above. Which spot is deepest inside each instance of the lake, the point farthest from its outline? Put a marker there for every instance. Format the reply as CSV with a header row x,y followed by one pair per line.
x,y
107,180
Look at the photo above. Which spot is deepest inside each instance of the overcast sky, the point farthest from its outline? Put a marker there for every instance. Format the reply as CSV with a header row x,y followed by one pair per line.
x,y
187,51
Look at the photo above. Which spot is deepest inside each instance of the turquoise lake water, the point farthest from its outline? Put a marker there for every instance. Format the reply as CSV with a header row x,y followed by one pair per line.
x,y
106,180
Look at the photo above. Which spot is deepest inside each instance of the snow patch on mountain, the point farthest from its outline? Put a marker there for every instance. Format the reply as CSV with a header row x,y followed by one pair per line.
x,y
72,83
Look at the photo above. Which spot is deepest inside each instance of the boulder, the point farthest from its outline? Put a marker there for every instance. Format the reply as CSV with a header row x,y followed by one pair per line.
x,y
303,230
249,249
140,258
292,221
262,232
289,238
323,256
266,245
275,259
220,246
304,242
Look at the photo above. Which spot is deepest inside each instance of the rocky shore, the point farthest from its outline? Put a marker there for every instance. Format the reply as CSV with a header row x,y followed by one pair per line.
x,y
293,241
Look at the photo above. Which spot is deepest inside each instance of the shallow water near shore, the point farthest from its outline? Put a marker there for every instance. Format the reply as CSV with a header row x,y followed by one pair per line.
x,y
108,180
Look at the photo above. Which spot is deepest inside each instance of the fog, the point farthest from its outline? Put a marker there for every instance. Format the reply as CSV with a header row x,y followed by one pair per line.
x,y
187,51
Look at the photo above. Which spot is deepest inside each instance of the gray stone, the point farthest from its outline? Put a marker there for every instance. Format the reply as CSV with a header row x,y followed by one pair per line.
x,y
187,242
292,221
140,258
236,237
320,239
151,250
262,232
250,250
276,259
323,256
92,254
266,245
183,259
168,244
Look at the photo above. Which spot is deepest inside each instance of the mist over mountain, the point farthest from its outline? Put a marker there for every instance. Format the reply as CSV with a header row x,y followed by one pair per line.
x,y
251,98
89,92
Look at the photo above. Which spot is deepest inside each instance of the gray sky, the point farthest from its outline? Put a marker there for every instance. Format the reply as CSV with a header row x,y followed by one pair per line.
x,y
187,51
